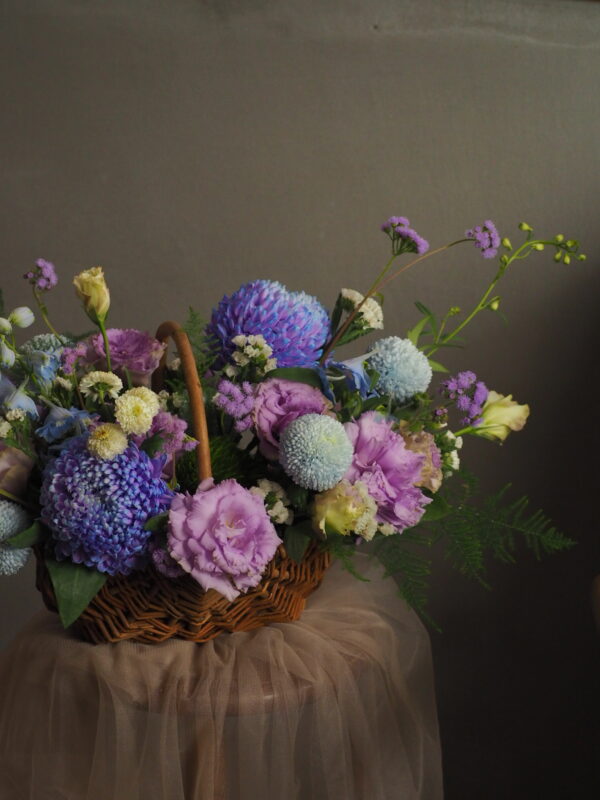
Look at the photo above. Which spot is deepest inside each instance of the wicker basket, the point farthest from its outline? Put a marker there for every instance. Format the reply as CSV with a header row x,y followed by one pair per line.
x,y
148,607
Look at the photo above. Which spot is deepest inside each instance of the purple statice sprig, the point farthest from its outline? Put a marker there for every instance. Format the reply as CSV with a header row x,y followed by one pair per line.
x,y
468,395
404,238
43,276
237,401
486,238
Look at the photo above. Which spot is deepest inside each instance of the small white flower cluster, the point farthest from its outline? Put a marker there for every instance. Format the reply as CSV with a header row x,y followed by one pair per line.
x,y
370,313
252,349
12,415
63,383
275,500
450,457
5,428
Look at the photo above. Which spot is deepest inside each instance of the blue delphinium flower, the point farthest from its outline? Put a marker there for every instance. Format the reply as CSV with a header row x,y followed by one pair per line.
x,y
315,451
97,508
62,421
13,397
294,324
42,354
13,520
403,369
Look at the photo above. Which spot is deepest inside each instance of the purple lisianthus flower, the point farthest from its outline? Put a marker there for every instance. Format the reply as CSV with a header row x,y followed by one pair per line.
x,y
162,561
131,350
223,536
237,401
42,276
277,403
97,508
388,468
294,324
486,238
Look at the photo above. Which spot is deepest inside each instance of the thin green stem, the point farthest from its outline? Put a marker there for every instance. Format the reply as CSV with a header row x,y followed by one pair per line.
x,y
106,345
44,312
15,499
420,258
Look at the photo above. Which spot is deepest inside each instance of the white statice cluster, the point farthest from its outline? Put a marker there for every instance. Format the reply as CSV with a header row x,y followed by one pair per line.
x,y
276,501
252,349
5,428
371,313
15,415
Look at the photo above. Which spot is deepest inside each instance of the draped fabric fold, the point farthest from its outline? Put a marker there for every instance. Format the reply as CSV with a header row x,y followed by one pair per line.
x,y
337,706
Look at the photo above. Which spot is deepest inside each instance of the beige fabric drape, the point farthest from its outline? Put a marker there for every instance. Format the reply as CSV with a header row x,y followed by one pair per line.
x,y
337,706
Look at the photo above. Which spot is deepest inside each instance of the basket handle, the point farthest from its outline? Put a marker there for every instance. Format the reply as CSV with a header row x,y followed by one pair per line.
x,y
188,364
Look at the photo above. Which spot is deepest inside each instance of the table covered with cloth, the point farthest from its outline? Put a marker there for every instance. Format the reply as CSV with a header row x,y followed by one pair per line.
x,y
337,706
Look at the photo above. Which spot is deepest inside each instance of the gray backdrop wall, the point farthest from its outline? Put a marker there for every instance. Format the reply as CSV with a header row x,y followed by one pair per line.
x,y
189,146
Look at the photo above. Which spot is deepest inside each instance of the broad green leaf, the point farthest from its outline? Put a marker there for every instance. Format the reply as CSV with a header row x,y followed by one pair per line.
x,y
436,366
298,374
75,586
157,522
28,537
296,540
152,445
438,508
414,333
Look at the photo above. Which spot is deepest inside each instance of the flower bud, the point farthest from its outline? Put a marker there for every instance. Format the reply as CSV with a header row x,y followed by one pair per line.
x,y
500,415
538,246
5,326
21,317
525,227
91,288
559,238
7,355
506,243
494,304
567,259
581,257
558,255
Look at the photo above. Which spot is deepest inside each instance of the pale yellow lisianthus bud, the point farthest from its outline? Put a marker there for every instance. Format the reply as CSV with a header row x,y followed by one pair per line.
x,y
91,288
344,509
500,415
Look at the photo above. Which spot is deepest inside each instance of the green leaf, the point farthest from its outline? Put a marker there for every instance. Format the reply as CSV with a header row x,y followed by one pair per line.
x,y
438,508
436,366
28,537
153,445
298,497
75,586
298,374
157,522
296,540
414,333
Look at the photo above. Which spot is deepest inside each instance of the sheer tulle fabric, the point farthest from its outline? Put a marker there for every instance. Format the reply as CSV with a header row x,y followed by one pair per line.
x,y
337,706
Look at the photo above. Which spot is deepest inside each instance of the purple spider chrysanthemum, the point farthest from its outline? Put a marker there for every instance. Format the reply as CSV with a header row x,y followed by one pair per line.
x,y
43,276
294,324
96,508
486,238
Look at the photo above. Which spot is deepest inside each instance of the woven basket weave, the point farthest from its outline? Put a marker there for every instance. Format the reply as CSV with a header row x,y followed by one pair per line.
x,y
148,607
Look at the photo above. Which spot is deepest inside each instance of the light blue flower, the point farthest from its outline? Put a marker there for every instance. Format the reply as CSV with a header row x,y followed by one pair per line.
x,y
403,369
62,421
13,520
42,354
12,397
315,451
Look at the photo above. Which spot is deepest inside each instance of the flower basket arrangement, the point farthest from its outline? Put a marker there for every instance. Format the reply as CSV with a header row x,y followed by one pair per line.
x,y
208,493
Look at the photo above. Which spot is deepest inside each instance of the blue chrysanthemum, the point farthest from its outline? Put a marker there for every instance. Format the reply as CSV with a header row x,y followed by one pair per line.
x,y
96,508
13,520
315,451
294,324
403,369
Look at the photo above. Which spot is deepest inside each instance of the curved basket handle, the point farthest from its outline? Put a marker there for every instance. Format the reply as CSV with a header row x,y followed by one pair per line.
x,y
192,381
